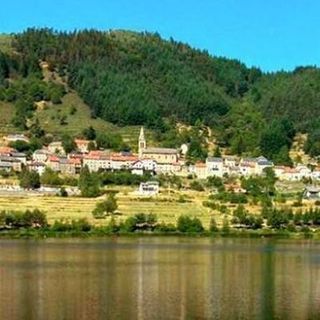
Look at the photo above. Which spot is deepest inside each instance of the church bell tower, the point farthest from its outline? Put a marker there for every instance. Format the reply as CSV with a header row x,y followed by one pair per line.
x,y
142,143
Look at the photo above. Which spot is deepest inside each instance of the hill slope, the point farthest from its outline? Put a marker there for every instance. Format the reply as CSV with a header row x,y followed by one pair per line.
x,y
130,79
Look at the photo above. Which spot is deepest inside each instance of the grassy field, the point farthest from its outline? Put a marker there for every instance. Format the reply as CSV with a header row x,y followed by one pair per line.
x,y
165,206
50,117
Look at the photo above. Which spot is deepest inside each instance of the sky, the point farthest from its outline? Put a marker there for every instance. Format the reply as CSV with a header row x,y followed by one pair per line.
x,y
270,34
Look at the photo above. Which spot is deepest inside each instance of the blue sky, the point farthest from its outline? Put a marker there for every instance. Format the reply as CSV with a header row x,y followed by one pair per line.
x,y
271,34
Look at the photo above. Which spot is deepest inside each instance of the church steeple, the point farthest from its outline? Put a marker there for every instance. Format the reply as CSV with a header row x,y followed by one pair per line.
x,y
142,142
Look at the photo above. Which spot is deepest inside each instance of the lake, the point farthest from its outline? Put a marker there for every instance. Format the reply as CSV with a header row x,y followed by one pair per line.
x,y
159,278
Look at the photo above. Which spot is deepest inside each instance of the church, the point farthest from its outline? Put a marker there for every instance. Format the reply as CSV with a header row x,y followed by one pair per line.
x,y
160,155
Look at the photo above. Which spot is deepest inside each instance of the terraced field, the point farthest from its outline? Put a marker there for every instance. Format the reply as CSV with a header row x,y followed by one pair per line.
x,y
166,207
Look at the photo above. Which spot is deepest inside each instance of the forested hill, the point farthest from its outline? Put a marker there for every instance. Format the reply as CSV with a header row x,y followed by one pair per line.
x,y
132,78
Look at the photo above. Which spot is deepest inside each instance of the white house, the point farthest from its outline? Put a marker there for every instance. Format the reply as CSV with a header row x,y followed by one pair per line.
x,y
247,169
230,161
316,173
22,157
200,170
96,162
261,164
291,174
16,137
150,188
304,171
279,171
140,166
56,148
38,167
15,164
164,168
120,162
215,167
311,192
82,145
41,155
184,149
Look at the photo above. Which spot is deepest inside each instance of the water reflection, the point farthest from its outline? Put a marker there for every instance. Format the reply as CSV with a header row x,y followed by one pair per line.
x,y
159,278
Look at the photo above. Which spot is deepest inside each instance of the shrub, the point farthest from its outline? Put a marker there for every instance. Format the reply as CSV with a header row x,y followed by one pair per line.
x,y
236,198
223,209
112,226
196,185
63,192
186,224
278,219
225,225
182,199
291,227
165,227
29,180
122,178
215,182
129,225
81,225
27,219
305,229
210,204
139,222
51,178
35,218
297,204
61,226
213,225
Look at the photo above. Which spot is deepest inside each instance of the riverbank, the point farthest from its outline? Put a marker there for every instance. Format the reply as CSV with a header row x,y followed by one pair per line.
x,y
98,233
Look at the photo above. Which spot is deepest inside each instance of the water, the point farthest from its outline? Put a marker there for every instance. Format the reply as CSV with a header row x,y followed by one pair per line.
x,y
159,278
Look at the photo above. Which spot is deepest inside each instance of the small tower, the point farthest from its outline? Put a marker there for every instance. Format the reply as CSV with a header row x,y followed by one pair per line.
x,y
142,143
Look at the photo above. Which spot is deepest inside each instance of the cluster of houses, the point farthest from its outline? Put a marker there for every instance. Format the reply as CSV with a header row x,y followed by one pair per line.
x,y
234,166
154,160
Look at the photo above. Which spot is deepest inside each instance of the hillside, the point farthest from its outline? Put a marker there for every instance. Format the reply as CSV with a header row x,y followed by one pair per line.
x,y
50,116
5,43
120,79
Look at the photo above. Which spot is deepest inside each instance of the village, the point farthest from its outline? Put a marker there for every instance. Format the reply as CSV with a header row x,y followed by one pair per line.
x,y
152,160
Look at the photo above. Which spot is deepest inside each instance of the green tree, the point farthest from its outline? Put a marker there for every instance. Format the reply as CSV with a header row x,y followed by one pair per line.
x,y
89,183
29,180
68,143
50,178
89,133
196,151
106,207
187,224
217,152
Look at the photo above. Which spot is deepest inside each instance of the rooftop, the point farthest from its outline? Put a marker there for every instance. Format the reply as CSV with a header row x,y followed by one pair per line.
x,y
160,151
